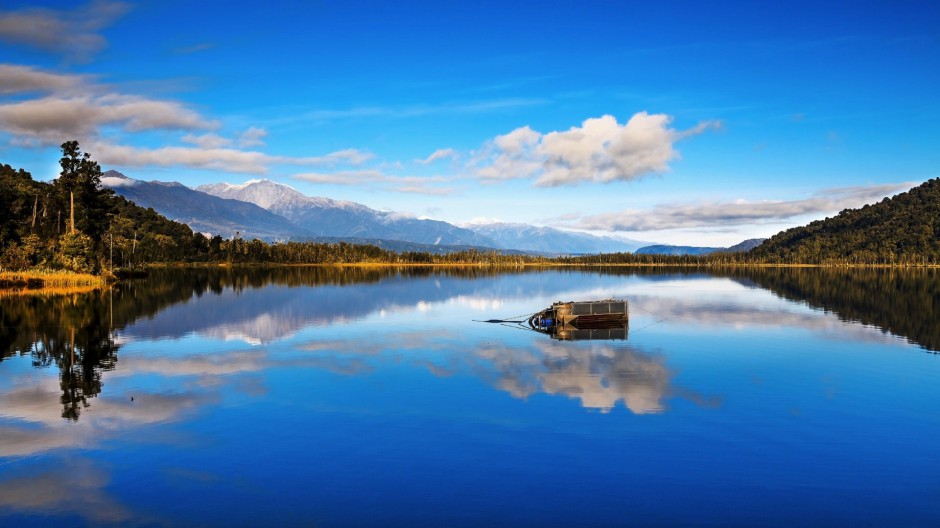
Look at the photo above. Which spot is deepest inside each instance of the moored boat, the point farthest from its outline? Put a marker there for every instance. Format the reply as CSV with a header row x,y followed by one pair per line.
x,y
605,319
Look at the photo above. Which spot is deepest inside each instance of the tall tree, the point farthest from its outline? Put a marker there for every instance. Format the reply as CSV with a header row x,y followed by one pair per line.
x,y
92,198
71,163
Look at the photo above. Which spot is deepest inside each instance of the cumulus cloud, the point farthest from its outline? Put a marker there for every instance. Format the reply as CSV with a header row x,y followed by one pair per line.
x,y
73,34
353,177
195,157
439,154
49,119
16,79
511,156
253,137
344,157
203,157
405,184
600,150
676,216
207,141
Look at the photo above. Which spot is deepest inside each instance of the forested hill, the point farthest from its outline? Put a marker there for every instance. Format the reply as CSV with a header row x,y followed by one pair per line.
x,y
36,226
904,229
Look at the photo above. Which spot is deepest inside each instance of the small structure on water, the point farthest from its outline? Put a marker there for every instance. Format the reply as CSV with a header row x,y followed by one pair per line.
x,y
569,321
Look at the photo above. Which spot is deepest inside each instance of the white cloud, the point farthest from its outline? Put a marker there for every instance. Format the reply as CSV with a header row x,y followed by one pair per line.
x,y
73,34
741,212
439,154
16,79
403,184
195,157
600,150
253,137
430,191
511,156
207,141
53,119
343,157
112,182
209,158
355,177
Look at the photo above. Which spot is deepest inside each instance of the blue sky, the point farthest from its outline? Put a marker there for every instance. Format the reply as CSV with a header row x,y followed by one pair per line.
x,y
659,121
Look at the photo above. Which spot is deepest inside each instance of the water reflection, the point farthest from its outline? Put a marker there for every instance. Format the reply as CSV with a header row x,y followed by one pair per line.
x,y
68,487
33,425
70,333
599,376
905,303
347,370
80,335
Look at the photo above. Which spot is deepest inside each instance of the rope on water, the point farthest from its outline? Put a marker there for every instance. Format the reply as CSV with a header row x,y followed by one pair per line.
x,y
510,319
662,318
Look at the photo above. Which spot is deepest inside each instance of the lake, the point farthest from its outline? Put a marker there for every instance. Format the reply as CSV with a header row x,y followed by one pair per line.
x,y
373,397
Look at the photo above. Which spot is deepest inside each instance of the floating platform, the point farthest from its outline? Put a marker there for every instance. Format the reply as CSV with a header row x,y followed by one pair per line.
x,y
568,321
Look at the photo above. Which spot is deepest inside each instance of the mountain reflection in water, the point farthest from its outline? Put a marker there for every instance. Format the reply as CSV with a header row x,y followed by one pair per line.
x,y
76,333
396,405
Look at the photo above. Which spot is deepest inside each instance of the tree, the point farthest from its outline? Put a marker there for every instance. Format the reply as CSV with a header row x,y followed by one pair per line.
x,y
67,181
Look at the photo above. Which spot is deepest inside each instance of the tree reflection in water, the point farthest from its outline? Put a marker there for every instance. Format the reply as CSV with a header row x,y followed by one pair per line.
x,y
75,332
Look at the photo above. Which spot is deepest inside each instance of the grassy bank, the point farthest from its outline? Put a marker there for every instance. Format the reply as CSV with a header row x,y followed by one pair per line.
x,y
49,279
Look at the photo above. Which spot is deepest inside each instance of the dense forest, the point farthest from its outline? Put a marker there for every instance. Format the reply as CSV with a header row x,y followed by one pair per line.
x,y
904,229
75,224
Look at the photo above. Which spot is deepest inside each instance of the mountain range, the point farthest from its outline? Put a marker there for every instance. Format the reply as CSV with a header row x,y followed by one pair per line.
x,y
272,211
323,217
664,249
549,240
204,213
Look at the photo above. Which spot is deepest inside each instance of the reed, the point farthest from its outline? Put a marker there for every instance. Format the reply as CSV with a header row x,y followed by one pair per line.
x,y
49,279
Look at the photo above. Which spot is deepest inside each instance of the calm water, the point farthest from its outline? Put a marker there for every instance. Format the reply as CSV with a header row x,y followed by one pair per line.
x,y
353,397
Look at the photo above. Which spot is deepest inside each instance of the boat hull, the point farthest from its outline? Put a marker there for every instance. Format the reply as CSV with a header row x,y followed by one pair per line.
x,y
607,319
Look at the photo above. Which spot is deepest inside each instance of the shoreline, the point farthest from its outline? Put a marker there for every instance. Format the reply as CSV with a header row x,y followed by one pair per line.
x,y
38,281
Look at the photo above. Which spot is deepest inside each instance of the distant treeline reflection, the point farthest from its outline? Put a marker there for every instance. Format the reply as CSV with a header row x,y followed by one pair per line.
x,y
903,302
75,332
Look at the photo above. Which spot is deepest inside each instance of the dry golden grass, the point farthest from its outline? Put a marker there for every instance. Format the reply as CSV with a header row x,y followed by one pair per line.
x,y
47,280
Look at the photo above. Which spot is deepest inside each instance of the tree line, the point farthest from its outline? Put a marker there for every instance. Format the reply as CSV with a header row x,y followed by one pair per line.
x,y
75,224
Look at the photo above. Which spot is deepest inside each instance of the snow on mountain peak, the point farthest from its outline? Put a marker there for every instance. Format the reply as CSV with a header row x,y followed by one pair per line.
x,y
273,196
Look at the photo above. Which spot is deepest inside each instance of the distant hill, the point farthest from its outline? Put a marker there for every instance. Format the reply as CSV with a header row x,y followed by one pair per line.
x,y
548,240
663,249
324,217
205,213
901,229
747,245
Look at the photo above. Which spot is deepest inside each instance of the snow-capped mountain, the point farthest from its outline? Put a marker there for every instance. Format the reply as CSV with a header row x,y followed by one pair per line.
x,y
324,217
550,240
205,213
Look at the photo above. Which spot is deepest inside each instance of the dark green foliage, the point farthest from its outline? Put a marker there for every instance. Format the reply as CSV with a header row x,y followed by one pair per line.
x,y
112,232
35,227
902,230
